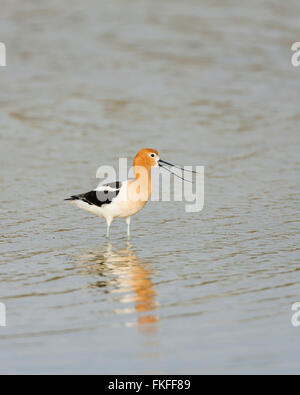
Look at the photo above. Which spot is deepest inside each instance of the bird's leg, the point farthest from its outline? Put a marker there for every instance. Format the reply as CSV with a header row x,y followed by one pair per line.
x,y
128,226
109,221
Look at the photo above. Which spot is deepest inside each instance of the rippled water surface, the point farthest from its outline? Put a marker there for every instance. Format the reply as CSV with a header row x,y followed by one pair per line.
x,y
205,82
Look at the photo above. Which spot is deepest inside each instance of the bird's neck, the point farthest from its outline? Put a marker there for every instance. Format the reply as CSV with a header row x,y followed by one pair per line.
x,y
142,182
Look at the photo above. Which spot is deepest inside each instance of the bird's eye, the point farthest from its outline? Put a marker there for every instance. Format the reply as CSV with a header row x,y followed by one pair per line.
x,y
152,155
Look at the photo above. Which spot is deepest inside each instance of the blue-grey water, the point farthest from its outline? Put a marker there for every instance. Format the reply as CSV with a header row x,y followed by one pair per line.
x,y
206,83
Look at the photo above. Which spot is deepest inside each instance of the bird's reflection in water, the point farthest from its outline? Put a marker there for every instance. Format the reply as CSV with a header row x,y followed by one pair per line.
x,y
123,272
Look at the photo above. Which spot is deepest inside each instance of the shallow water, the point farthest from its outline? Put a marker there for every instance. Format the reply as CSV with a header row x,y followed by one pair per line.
x,y
206,83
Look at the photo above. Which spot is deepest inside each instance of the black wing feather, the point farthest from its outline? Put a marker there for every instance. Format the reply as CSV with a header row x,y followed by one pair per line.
x,y
99,197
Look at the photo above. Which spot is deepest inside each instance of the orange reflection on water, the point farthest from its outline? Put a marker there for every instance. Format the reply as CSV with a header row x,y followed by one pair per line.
x,y
128,275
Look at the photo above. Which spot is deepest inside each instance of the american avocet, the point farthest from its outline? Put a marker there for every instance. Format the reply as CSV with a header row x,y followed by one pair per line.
x,y
123,199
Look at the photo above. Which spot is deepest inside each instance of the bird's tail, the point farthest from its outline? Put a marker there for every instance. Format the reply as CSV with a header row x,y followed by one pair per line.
x,y
74,197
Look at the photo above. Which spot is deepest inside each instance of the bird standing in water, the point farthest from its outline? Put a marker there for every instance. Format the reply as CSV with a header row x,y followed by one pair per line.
x,y
126,198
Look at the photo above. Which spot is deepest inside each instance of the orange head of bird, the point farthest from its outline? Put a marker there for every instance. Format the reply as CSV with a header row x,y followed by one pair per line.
x,y
146,158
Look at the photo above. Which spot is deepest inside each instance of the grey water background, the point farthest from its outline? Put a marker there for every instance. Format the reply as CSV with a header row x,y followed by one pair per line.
x,y
206,83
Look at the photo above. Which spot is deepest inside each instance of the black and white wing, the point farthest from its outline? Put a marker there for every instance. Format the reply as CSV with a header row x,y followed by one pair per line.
x,y
104,194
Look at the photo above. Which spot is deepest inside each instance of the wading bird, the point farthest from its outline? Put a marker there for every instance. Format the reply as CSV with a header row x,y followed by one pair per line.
x,y
126,198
